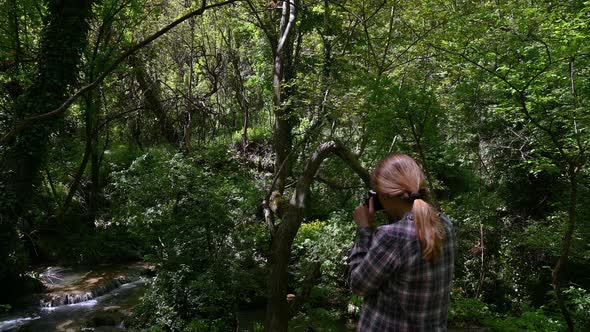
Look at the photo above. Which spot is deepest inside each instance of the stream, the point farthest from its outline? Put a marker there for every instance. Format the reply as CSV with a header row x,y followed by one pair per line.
x,y
74,317
77,300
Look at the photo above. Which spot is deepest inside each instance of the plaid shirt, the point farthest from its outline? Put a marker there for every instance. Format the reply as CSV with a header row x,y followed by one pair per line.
x,y
402,291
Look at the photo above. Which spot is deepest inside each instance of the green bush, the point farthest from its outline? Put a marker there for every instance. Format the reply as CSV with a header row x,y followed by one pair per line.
x,y
317,319
578,301
261,134
529,320
185,212
325,242
187,298
472,312
464,312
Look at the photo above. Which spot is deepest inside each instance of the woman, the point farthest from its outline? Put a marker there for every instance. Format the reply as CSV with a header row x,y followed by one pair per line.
x,y
403,269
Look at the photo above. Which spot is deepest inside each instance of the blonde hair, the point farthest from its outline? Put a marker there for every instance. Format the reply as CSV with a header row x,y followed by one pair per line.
x,y
400,175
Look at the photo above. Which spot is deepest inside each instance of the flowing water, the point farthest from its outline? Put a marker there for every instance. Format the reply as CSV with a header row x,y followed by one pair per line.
x,y
73,317
80,301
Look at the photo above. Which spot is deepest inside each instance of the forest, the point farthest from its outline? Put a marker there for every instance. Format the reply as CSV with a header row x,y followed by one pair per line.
x,y
214,152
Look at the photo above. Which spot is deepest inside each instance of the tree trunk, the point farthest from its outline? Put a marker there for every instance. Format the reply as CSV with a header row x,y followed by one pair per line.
x,y
240,92
14,28
282,72
64,38
153,101
417,135
190,106
574,165
93,108
278,314
567,244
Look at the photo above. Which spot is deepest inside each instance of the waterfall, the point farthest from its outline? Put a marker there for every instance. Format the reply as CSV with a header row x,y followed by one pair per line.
x,y
73,297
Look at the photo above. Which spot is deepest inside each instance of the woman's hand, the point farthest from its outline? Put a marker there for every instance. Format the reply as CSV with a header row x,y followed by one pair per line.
x,y
363,215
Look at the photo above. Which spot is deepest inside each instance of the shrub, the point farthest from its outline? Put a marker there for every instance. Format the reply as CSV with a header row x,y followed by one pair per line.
x,y
578,300
325,242
185,213
470,311
529,320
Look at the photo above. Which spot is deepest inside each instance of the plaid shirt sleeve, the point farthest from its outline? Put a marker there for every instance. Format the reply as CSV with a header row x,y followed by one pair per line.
x,y
375,255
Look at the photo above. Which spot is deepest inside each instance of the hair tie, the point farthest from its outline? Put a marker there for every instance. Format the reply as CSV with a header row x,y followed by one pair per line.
x,y
415,196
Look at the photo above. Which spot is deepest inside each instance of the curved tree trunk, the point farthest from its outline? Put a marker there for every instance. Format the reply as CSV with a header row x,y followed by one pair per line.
x,y
278,313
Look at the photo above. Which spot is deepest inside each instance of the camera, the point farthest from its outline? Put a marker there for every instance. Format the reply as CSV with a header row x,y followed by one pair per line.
x,y
376,203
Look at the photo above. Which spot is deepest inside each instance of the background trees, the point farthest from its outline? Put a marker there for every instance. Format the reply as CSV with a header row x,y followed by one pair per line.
x,y
200,148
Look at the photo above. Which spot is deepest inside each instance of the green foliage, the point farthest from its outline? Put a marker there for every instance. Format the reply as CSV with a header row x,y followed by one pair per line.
x,y
252,242
468,311
258,134
529,320
579,302
327,243
258,327
185,212
180,294
317,319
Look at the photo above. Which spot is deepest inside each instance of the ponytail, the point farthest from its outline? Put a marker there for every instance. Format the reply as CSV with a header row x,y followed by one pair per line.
x,y
429,229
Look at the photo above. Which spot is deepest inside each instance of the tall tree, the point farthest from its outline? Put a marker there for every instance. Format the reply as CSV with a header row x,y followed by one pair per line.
x,y
63,40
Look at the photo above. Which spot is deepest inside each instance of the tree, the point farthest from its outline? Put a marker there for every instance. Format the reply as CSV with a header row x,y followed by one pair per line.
x,y
278,311
63,40
537,75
